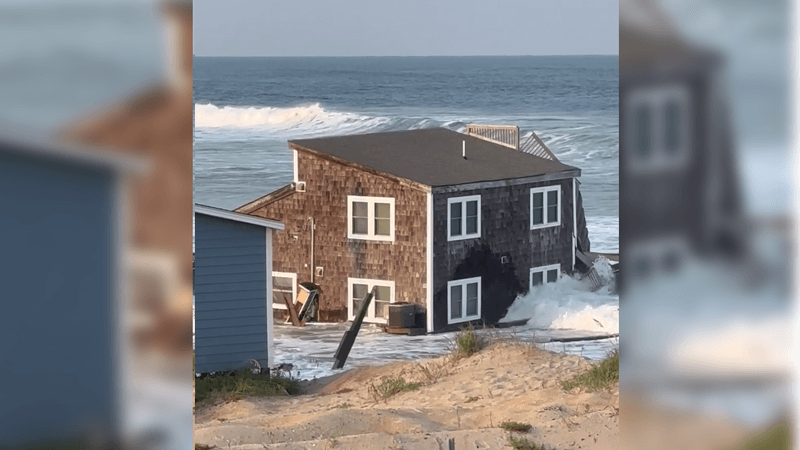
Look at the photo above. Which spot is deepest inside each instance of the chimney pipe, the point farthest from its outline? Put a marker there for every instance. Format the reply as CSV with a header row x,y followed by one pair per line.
x,y
464,149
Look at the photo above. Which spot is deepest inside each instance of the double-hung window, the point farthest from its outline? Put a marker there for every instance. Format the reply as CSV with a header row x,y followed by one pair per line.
x,y
378,310
284,287
546,274
464,300
370,218
545,207
463,217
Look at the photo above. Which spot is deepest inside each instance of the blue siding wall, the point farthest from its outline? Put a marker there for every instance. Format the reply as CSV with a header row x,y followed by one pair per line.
x,y
230,286
56,299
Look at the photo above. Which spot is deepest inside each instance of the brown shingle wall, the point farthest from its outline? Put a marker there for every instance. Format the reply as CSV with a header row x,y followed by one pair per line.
x,y
327,186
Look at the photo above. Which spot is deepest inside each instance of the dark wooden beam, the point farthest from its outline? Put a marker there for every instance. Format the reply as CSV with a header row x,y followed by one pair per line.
x,y
349,337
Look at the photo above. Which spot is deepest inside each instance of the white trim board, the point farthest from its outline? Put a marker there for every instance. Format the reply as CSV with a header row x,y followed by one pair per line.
x,y
236,217
429,264
270,315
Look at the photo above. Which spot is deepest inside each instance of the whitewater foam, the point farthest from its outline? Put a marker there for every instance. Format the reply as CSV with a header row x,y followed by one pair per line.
x,y
568,304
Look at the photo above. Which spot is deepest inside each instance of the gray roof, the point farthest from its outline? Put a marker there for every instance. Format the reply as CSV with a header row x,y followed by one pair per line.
x,y
433,156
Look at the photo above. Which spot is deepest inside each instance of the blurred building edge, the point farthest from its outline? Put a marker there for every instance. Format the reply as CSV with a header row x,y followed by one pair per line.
x,y
679,183
63,239
157,124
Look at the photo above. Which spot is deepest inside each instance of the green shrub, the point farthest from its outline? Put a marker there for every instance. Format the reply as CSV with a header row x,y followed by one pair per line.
x,y
516,426
522,444
599,377
468,342
236,385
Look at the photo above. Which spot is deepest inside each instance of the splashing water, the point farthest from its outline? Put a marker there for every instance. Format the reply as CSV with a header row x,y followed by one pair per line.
x,y
568,304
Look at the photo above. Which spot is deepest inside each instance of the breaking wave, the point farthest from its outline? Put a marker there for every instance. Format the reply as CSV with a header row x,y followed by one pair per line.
x,y
300,121
569,305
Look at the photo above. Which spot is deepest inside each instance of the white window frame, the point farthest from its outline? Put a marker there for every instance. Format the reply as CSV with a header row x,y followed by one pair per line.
x,y
370,316
656,99
370,236
463,201
544,270
544,190
463,283
293,276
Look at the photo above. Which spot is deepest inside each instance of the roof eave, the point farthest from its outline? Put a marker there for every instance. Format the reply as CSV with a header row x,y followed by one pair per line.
x,y
572,172
237,217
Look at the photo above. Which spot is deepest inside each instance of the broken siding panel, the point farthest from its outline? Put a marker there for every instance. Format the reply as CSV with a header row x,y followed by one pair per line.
x,y
230,294
505,231
327,186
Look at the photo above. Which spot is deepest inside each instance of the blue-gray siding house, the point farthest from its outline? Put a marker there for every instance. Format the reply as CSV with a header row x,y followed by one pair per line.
x,y
61,244
233,298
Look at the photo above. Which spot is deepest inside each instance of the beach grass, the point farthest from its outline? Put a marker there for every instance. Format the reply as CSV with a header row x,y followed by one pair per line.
x,y
522,444
392,386
468,342
601,376
777,437
516,426
243,383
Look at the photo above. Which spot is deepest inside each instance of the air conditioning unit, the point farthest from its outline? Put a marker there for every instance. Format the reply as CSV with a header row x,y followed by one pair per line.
x,y
300,186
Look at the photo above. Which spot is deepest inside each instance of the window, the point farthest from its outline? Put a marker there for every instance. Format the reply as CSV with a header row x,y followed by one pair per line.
x,y
546,274
464,300
284,285
545,207
659,128
378,311
370,218
463,217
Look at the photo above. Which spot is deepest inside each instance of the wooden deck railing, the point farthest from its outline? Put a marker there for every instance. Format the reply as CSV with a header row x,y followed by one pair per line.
x,y
507,135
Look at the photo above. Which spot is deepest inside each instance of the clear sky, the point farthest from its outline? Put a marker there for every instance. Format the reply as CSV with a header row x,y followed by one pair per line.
x,y
405,27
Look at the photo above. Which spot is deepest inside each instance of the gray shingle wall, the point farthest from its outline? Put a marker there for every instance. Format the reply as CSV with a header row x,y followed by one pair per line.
x,y
505,231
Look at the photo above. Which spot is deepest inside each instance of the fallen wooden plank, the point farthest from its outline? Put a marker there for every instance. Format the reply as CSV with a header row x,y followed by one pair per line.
x,y
346,344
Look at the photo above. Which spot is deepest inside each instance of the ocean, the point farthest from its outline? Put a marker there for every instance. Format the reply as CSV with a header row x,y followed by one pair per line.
x,y
247,108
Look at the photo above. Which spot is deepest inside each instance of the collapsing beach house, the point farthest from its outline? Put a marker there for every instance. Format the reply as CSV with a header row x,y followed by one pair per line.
x,y
679,186
458,224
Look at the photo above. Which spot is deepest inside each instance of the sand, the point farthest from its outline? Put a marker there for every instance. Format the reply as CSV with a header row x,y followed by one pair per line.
x,y
462,399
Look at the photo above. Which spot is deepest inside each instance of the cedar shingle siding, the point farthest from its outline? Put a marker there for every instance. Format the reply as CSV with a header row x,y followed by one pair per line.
x,y
505,231
327,186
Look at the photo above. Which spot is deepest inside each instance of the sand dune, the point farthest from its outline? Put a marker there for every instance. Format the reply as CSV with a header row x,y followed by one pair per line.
x,y
465,399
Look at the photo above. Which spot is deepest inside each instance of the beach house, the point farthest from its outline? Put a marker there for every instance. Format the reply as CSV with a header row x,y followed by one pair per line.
x,y
679,188
459,224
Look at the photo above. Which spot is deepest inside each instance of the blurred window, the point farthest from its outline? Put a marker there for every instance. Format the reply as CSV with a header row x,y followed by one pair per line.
x,y
658,130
